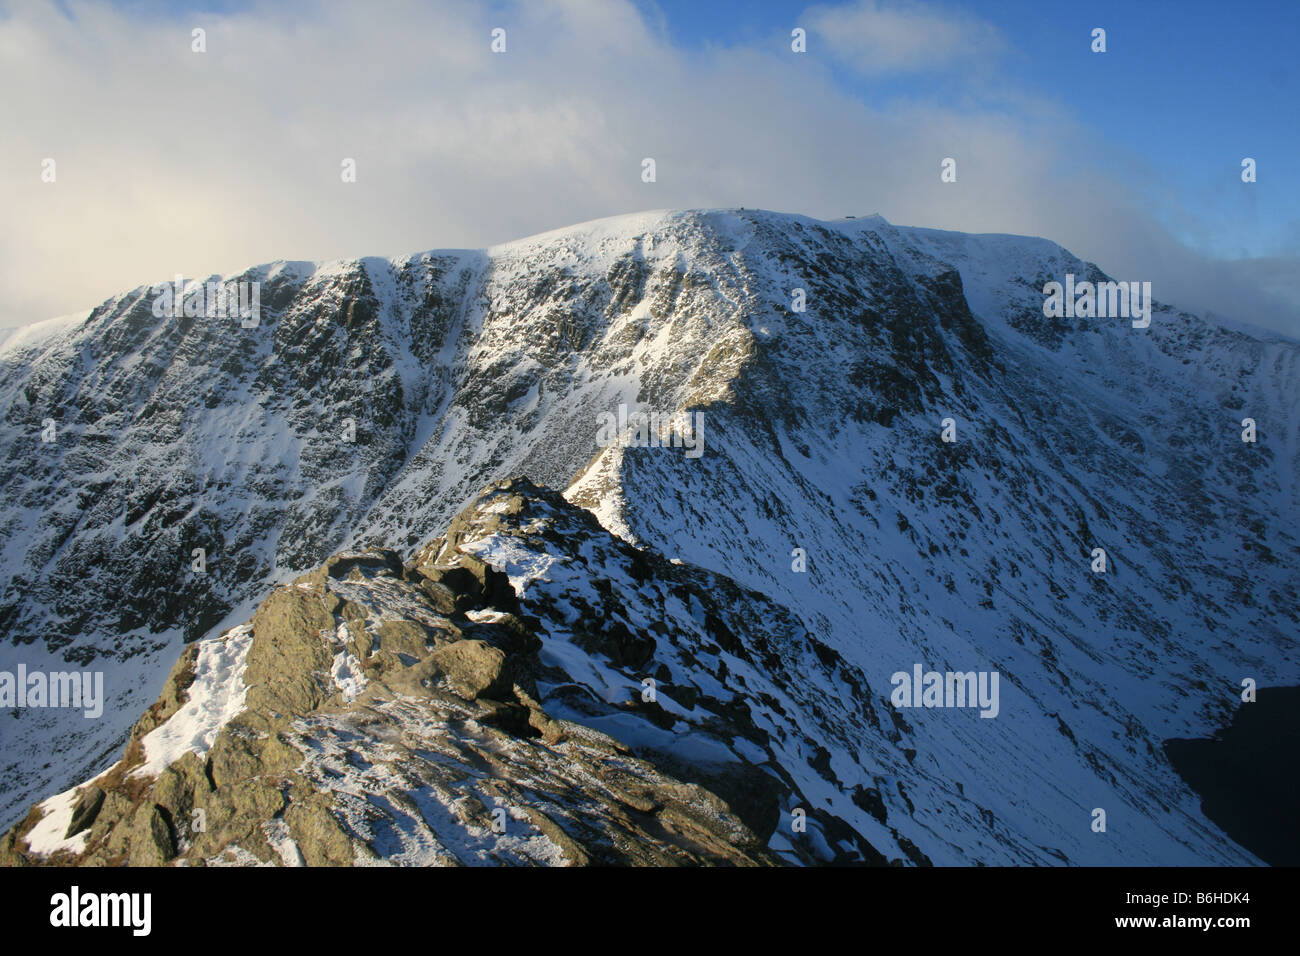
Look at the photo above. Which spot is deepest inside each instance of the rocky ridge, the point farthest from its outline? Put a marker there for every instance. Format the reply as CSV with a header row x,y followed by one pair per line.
x,y
391,708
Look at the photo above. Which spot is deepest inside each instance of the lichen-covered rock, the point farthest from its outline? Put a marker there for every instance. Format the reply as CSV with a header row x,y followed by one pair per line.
x,y
474,668
318,834
288,659
152,842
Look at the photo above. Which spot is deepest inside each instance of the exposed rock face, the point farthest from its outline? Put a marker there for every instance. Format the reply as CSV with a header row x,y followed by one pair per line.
x,y
83,815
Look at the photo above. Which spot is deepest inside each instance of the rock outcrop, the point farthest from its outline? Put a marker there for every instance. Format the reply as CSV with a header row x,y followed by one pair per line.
x,y
392,713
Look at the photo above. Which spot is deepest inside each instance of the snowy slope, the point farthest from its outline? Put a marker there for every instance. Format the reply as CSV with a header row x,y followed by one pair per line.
x,y
821,432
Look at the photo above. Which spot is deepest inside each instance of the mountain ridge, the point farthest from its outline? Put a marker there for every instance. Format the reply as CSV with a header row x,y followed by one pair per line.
x,y
459,368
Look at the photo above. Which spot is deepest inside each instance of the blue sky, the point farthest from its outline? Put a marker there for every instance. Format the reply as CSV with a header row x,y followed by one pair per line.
x,y
1190,87
1129,158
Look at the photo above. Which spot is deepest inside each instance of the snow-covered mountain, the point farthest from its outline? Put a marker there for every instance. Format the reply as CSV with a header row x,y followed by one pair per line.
x,y
376,398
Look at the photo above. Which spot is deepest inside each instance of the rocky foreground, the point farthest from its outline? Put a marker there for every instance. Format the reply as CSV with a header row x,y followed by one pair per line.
x,y
436,712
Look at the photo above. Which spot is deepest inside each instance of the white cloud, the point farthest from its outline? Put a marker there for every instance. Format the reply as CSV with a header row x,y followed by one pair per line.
x,y
171,161
875,37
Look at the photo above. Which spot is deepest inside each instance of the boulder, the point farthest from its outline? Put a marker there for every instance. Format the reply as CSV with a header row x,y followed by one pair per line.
x,y
288,663
474,668
152,843
86,809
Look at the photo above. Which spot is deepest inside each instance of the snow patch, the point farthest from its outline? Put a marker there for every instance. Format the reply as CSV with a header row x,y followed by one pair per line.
x,y
216,695
46,838
520,565
347,676
277,834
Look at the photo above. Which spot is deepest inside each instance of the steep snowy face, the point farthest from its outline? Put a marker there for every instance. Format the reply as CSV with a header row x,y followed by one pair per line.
x,y
977,554
376,397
